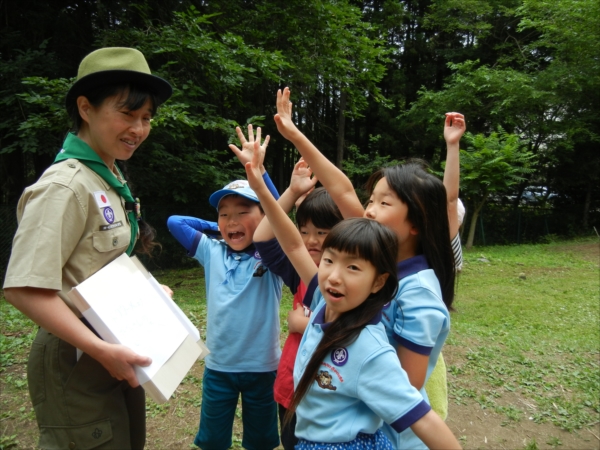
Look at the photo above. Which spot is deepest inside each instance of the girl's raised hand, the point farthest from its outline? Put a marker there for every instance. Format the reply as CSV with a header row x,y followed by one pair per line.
x,y
245,154
283,118
253,169
301,182
454,127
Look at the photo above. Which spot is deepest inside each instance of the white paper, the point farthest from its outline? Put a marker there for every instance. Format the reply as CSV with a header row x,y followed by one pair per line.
x,y
143,323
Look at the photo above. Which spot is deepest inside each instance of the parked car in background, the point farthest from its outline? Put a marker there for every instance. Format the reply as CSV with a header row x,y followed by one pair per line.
x,y
537,195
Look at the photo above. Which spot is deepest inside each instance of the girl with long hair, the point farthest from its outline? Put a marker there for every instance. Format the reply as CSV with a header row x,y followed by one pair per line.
x,y
413,204
340,399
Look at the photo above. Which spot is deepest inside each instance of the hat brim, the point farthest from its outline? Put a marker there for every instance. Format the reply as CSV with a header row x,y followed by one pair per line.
x,y
160,87
215,198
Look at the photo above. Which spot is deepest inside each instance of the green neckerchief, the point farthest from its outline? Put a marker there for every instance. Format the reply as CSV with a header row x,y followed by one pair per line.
x,y
73,147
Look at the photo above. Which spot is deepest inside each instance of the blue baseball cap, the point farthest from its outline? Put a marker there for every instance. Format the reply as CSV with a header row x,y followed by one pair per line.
x,y
238,187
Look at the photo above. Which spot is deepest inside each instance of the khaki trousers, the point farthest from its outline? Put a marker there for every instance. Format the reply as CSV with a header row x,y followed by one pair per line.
x,y
77,404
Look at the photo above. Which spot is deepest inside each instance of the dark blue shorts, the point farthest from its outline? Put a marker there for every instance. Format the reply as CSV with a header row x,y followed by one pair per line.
x,y
220,393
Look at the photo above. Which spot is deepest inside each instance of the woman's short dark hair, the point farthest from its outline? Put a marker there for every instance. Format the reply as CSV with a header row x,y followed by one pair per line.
x,y
132,97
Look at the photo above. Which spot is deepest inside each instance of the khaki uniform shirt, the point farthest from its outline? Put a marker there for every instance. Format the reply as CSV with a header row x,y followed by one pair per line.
x,y
71,224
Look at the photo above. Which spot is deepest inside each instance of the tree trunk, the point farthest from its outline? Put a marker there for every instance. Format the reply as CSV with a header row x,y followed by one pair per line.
x,y
339,157
473,225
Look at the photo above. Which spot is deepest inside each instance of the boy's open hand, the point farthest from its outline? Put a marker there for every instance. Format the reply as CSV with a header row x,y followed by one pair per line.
x,y
454,127
245,154
301,182
283,118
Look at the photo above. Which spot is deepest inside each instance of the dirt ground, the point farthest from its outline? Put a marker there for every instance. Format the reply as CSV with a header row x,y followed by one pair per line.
x,y
174,424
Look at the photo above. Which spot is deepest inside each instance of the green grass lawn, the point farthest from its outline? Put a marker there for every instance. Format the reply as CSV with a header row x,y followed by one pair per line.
x,y
526,327
524,348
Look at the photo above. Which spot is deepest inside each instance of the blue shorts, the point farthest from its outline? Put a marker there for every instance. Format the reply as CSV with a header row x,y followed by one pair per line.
x,y
363,441
220,393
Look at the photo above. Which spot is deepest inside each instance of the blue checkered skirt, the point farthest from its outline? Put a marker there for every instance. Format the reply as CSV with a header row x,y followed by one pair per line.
x,y
363,441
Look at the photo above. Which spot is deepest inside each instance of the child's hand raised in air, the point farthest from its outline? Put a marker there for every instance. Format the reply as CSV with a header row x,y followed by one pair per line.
x,y
454,127
301,183
283,118
254,170
245,154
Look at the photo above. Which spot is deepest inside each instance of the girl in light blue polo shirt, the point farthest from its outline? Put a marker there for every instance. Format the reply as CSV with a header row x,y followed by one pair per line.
x,y
413,204
340,399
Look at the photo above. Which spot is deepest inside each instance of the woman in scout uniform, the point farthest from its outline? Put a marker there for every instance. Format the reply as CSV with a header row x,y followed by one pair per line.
x,y
78,217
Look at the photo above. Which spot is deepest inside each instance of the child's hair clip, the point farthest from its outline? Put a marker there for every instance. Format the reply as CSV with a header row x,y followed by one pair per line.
x,y
135,208
138,209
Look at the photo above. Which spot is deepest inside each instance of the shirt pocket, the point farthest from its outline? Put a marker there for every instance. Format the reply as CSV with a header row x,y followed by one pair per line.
x,y
111,240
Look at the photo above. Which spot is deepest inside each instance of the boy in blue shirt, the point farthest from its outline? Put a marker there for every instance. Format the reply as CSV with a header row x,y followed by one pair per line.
x,y
243,320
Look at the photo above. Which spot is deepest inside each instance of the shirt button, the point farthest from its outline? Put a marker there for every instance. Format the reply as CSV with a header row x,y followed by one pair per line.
x,y
236,257
115,241
303,352
72,166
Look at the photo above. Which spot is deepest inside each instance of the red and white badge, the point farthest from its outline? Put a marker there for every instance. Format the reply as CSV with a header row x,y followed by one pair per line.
x,y
101,199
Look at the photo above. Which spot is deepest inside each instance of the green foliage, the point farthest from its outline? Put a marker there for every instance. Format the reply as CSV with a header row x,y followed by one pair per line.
x,y
358,166
492,164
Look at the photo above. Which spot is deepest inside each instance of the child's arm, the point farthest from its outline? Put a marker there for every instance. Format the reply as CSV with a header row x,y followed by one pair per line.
x,y
285,231
245,154
297,320
414,364
454,128
188,231
333,179
300,183
434,432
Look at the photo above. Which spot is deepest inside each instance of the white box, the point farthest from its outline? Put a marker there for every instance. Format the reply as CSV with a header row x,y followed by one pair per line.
x,y
127,306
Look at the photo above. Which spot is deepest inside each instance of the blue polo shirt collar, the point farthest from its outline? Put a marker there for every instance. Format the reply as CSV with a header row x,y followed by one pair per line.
x,y
320,319
411,266
250,250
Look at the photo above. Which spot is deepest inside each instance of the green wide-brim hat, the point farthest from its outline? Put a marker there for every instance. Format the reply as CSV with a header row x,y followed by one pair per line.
x,y
116,65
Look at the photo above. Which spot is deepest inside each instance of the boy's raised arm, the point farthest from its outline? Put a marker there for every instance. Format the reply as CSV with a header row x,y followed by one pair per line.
x,y
333,179
285,231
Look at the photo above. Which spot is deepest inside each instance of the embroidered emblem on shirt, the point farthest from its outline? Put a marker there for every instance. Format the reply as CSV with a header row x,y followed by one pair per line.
x,y
324,380
111,226
339,356
109,214
260,271
257,255
101,199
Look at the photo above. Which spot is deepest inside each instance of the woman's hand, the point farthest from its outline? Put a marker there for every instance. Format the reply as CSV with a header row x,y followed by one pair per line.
x,y
119,360
167,289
